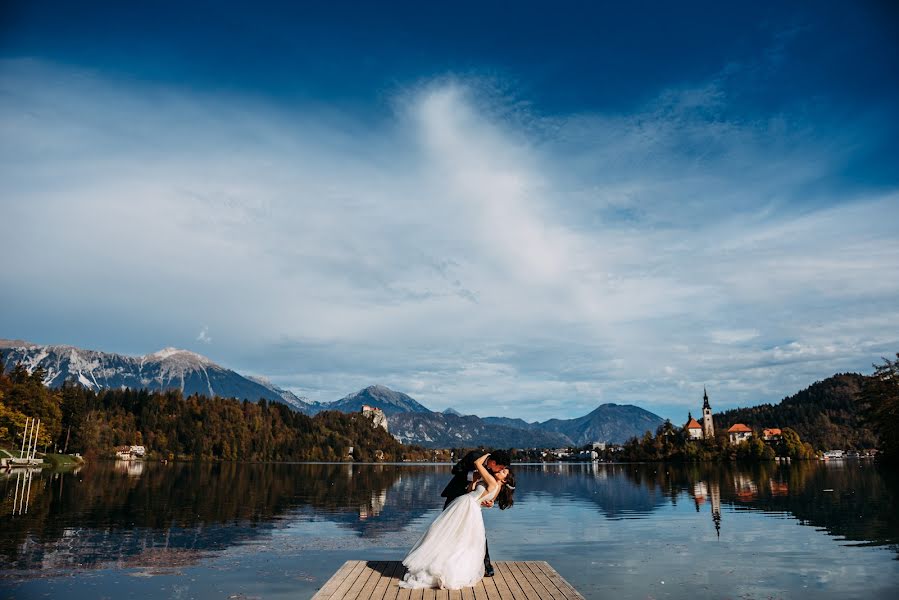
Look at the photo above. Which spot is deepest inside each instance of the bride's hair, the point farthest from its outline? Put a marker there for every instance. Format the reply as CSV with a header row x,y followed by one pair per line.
x,y
504,497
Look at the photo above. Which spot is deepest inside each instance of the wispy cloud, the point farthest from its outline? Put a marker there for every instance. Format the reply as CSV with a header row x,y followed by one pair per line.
x,y
476,258
203,336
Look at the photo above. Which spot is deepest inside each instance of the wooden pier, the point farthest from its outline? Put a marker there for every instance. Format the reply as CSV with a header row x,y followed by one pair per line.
x,y
377,580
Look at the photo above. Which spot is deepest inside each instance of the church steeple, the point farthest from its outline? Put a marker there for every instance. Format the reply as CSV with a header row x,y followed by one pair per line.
x,y
708,427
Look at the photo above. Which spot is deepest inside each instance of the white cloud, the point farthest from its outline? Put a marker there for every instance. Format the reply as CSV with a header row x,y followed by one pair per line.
x,y
473,259
203,336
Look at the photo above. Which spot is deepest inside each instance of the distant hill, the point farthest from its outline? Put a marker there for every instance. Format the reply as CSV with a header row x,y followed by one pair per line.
x,y
378,396
614,423
439,430
509,422
411,422
827,414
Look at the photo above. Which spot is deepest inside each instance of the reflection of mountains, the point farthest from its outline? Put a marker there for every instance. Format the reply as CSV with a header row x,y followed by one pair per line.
x,y
170,515
102,515
414,491
617,495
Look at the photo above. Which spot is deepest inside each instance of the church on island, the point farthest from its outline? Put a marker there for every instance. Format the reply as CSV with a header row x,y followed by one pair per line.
x,y
705,431
737,433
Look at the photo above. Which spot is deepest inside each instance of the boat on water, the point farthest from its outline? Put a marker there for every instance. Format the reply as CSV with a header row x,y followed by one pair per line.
x,y
27,455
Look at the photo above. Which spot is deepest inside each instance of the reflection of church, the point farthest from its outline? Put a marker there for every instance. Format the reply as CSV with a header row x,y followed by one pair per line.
x,y
694,430
712,491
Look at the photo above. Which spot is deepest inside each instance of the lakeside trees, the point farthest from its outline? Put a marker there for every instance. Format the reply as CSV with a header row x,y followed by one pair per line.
x,y
24,395
881,397
671,443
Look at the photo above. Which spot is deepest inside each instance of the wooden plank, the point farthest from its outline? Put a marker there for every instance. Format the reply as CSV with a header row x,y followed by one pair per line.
x,y
367,572
429,594
365,593
502,571
404,594
502,588
540,582
551,584
341,581
418,594
326,590
467,594
479,592
442,595
514,572
389,576
489,584
455,595
559,581
393,588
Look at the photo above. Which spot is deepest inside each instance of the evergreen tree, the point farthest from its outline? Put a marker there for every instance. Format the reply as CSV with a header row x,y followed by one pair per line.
x,y
881,396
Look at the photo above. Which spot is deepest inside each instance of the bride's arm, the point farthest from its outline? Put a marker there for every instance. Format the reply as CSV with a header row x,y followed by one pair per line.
x,y
486,475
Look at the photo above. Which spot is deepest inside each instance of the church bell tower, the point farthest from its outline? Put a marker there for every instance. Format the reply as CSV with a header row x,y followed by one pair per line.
x,y
708,428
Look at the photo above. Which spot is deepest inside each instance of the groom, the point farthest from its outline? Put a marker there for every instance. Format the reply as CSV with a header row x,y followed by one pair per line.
x,y
463,474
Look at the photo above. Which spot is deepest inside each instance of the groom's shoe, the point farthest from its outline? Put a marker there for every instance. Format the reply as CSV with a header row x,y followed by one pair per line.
x,y
488,570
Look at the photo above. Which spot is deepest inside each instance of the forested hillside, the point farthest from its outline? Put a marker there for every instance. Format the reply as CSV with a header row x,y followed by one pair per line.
x,y
828,414
76,419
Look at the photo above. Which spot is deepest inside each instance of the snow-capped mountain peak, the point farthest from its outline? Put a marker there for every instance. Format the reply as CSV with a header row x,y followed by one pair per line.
x,y
178,354
170,368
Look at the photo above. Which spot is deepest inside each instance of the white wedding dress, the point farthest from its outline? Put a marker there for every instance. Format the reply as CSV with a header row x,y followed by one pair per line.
x,y
450,555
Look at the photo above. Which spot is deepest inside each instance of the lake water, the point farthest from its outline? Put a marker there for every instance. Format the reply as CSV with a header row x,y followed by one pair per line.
x,y
241,531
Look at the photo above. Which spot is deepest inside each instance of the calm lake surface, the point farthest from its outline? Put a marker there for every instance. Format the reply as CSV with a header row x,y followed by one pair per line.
x,y
241,531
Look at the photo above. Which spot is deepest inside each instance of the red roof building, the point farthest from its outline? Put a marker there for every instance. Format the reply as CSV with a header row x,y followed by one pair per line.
x,y
770,434
739,432
694,429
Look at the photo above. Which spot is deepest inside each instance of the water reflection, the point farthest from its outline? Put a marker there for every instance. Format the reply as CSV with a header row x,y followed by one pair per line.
x,y
133,468
166,516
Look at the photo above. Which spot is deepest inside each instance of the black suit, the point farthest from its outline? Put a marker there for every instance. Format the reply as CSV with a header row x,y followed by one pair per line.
x,y
458,486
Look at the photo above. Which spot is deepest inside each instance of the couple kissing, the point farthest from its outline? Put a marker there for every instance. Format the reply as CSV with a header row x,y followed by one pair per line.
x,y
453,553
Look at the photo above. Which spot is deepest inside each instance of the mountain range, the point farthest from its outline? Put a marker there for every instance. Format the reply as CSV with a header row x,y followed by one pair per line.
x,y
408,420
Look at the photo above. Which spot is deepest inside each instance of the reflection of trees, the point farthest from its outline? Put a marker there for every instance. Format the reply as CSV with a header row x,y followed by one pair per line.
x,y
853,501
401,495
101,514
860,507
857,503
172,514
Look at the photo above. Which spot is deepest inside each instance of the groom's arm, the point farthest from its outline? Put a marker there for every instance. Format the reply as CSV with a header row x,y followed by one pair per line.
x,y
467,463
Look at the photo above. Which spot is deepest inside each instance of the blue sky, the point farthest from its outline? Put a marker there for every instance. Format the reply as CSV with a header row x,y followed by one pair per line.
x,y
505,209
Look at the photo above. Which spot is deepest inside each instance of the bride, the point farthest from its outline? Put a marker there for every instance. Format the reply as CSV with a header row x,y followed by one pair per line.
x,y
450,555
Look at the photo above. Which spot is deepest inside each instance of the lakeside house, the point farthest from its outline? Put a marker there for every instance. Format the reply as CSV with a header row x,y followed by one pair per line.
x,y
738,433
130,452
772,434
